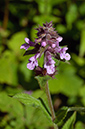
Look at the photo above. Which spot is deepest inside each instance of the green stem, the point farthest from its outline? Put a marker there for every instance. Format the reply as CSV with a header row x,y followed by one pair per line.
x,y
49,101
50,104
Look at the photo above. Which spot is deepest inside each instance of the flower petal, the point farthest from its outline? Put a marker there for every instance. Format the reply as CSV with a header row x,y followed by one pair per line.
x,y
25,46
31,65
27,40
43,44
50,69
67,56
59,39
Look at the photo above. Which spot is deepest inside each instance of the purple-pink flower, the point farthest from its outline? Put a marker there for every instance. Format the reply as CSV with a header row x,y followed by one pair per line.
x,y
59,39
33,62
50,68
27,44
47,43
49,63
43,44
63,54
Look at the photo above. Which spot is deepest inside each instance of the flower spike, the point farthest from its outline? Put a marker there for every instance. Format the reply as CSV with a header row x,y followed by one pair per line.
x,y
47,43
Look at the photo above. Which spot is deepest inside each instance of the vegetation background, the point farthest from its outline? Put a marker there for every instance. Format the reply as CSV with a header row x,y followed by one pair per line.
x,y
18,18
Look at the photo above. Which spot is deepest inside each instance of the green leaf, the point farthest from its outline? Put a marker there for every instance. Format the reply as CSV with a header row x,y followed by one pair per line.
x,y
45,106
80,24
61,28
67,81
8,104
43,8
26,72
8,68
36,118
82,94
51,2
71,15
82,43
14,112
79,125
40,93
43,18
4,33
69,123
61,114
16,41
80,61
31,101
27,99
42,80
82,9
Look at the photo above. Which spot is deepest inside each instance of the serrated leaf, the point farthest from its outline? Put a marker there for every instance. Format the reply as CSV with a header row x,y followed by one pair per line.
x,y
36,118
40,93
42,80
45,106
8,104
31,101
61,114
14,112
27,99
69,123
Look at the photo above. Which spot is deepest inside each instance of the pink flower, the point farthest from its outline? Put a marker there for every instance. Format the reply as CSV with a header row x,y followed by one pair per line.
x,y
47,44
49,63
43,44
27,44
63,54
33,62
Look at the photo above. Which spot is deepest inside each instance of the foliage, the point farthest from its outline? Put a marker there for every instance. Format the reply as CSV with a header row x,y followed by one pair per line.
x,y
70,122
68,89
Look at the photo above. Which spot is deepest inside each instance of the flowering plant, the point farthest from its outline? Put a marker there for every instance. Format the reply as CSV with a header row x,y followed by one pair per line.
x,y
47,44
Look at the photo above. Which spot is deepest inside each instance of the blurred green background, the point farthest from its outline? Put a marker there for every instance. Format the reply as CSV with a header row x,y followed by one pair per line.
x,y
18,18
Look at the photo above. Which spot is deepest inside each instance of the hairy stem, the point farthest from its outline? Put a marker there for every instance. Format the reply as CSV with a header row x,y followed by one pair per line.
x,y
49,101
50,104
